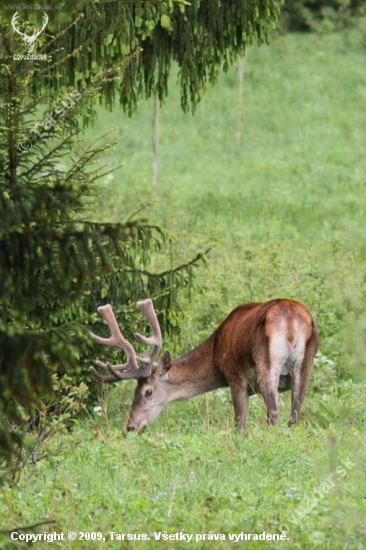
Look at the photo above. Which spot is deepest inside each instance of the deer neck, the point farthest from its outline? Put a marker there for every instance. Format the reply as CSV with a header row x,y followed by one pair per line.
x,y
194,373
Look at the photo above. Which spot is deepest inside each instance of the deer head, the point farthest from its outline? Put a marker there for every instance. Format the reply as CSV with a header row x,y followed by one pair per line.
x,y
29,40
140,368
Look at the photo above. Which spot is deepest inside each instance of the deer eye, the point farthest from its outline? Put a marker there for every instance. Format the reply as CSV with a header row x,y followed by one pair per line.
x,y
148,393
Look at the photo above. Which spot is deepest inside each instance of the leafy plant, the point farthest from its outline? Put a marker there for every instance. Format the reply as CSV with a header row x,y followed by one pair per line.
x,y
49,422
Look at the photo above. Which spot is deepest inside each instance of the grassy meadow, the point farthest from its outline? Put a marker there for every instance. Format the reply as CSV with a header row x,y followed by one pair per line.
x,y
283,213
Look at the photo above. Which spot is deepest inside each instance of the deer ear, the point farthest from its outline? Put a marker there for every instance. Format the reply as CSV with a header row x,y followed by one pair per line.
x,y
165,363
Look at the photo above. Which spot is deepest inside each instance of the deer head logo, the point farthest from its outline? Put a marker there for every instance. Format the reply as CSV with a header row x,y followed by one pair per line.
x,y
29,40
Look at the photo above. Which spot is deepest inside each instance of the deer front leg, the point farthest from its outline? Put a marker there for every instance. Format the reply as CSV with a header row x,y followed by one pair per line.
x,y
240,398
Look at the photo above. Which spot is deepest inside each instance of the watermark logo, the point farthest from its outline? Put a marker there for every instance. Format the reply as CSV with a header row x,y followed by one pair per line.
x,y
29,39
50,120
310,501
44,7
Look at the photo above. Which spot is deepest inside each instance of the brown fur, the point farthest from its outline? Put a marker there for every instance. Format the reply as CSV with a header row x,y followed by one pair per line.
x,y
259,348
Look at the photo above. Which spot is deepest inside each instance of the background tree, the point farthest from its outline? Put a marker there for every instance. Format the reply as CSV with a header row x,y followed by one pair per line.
x,y
321,15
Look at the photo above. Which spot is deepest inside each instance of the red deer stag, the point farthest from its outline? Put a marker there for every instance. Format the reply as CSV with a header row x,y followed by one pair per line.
x,y
259,348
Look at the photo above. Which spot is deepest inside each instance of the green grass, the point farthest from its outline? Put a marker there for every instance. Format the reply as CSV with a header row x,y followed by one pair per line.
x,y
192,473
284,214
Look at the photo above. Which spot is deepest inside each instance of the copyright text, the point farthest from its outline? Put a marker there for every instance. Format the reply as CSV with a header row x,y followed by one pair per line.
x,y
31,538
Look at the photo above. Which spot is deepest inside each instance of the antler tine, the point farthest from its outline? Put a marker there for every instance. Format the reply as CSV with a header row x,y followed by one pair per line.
x,y
147,308
130,369
115,374
116,339
103,379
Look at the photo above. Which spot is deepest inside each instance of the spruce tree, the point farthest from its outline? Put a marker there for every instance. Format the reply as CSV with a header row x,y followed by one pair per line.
x,y
56,264
201,36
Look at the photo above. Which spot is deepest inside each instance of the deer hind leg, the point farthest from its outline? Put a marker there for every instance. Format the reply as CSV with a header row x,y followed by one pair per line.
x,y
268,375
300,375
269,365
268,384
240,398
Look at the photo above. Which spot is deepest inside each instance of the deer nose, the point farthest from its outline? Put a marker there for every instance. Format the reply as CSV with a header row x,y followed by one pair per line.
x,y
130,429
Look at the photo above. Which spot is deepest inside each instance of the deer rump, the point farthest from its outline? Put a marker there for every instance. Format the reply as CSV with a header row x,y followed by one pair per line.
x,y
261,340
266,348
